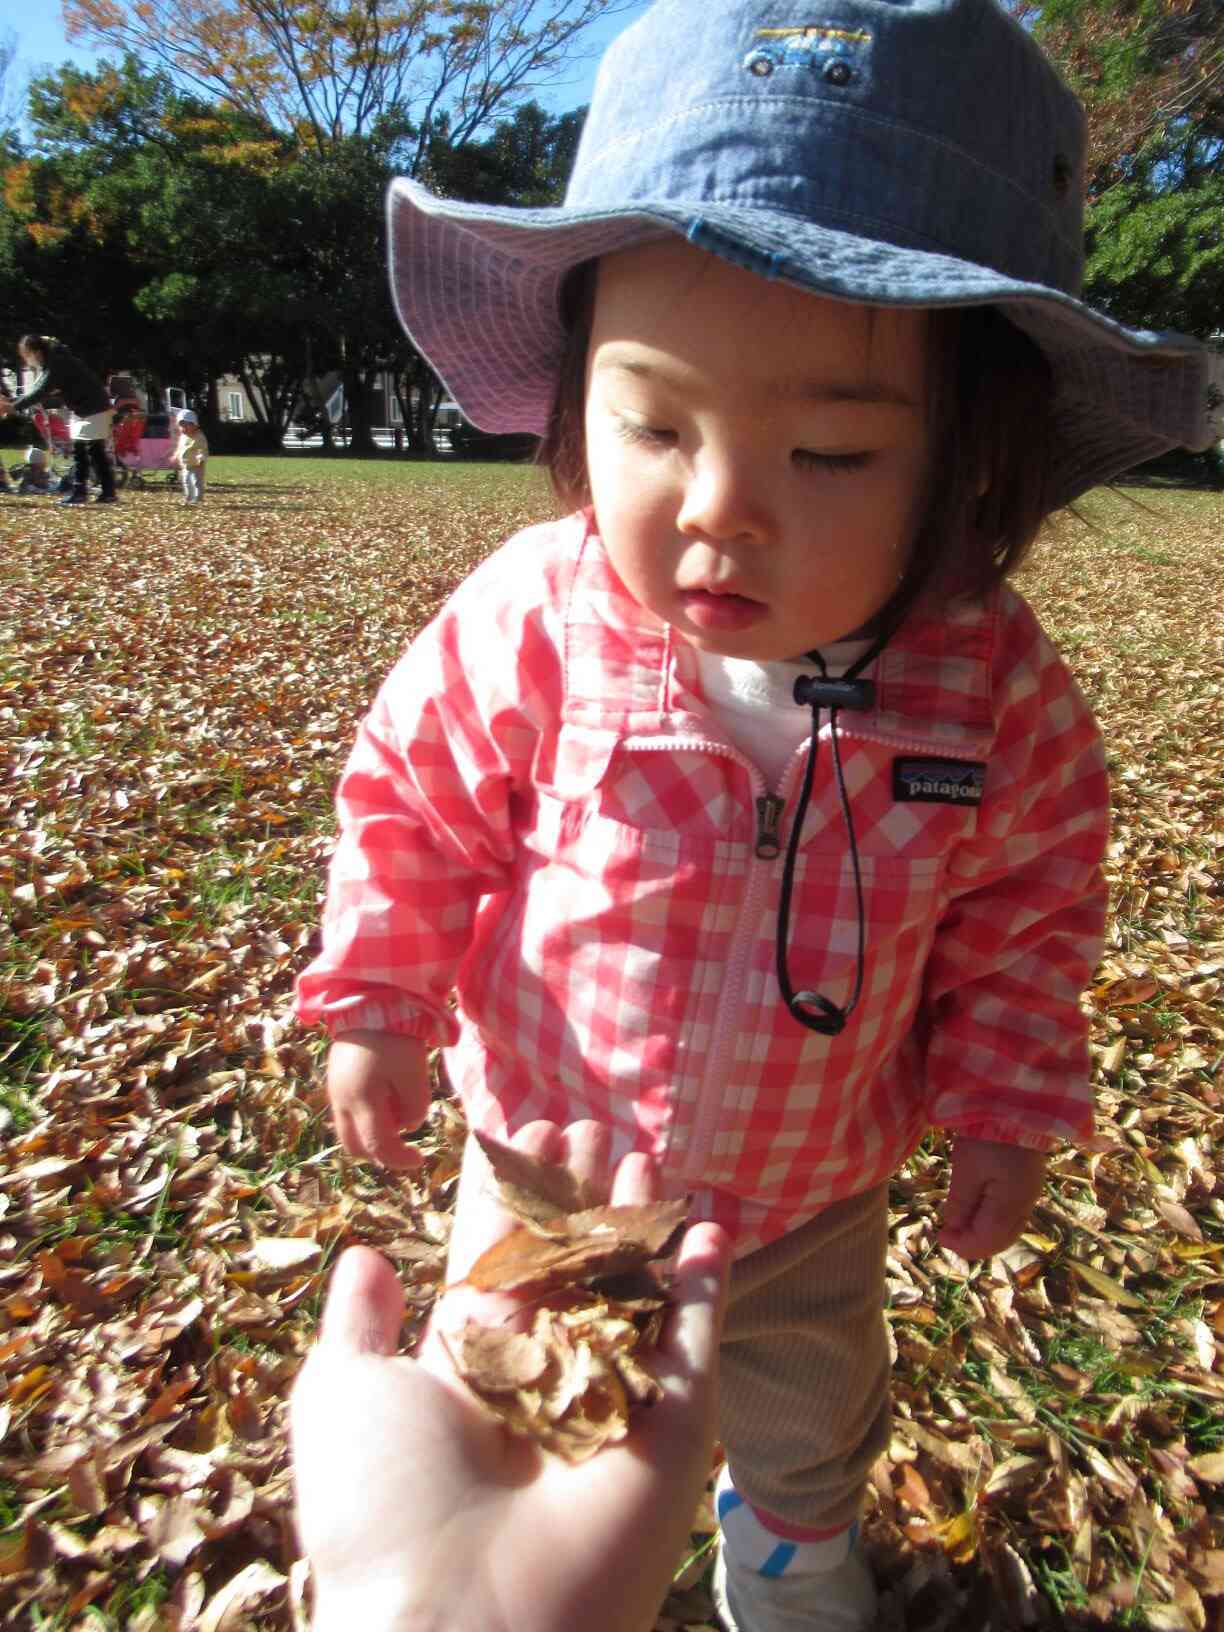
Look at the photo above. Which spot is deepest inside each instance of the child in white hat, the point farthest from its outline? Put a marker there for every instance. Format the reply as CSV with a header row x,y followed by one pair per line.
x,y
190,455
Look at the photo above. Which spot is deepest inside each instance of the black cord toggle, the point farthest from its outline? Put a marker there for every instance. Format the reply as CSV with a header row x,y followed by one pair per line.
x,y
811,1009
828,1021
823,692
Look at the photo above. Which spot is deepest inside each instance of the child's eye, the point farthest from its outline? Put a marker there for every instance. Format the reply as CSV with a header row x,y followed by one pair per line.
x,y
650,436
836,462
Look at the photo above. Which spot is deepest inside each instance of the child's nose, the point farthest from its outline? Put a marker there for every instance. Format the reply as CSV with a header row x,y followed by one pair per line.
x,y
725,498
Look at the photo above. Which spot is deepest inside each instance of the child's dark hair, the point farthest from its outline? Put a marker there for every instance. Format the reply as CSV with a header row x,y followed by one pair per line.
x,y
39,344
991,390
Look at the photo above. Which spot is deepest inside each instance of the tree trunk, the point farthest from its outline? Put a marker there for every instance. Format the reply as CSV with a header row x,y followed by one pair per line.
x,y
357,409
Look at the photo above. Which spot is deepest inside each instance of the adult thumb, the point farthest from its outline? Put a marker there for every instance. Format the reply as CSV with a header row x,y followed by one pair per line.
x,y
365,1305
699,1291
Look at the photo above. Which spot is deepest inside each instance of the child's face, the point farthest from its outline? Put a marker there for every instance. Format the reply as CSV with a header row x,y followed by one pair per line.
x,y
757,456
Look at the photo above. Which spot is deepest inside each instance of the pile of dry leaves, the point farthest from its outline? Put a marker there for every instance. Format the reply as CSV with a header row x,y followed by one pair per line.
x,y
177,691
595,1276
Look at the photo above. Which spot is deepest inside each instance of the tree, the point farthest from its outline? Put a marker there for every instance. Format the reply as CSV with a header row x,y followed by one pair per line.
x,y
241,183
328,69
360,89
177,217
525,161
9,95
1151,76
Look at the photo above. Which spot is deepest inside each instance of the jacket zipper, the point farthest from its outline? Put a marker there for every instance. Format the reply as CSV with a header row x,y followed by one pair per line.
x,y
769,810
767,846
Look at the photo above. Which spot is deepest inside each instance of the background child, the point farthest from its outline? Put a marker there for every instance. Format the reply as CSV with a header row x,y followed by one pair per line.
x,y
190,455
806,350
36,472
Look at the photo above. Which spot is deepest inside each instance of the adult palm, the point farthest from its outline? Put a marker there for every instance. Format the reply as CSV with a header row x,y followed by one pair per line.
x,y
420,1512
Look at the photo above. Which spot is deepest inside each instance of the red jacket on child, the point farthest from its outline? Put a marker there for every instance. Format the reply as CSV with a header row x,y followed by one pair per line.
x,y
542,820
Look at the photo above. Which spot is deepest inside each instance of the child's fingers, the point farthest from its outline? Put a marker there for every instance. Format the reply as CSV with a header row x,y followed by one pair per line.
x,y
965,1194
999,1221
993,1224
377,1127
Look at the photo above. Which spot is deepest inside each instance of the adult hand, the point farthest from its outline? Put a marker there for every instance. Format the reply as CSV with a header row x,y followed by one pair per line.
x,y
990,1195
417,1509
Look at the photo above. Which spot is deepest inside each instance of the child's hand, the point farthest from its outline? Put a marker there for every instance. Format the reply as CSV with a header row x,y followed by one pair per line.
x,y
378,1085
991,1193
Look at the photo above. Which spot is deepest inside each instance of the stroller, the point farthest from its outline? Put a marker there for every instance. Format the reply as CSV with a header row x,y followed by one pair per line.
x,y
142,444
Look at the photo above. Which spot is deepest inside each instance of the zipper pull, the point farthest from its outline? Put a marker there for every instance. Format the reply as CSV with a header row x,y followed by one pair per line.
x,y
768,845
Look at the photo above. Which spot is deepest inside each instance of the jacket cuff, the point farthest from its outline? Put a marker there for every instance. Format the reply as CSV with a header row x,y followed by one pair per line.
x,y
399,1017
1010,1133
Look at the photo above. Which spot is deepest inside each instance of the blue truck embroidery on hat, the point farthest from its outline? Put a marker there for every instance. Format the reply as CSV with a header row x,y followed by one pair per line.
x,y
838,55
939,781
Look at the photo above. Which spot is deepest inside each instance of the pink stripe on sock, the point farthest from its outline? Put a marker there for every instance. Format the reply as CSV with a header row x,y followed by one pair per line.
x,y
795,1532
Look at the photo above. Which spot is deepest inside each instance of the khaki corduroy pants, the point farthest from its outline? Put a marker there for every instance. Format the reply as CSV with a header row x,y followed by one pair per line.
x,y
804,1368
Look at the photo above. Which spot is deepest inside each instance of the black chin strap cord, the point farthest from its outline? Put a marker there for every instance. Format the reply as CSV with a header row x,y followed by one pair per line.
x,y
811,1009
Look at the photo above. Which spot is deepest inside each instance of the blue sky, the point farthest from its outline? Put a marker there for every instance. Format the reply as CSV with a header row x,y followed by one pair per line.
x,y
40,42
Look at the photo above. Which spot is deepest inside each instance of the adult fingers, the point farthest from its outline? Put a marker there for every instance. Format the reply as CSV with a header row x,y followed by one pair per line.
x,y
365,1305
480,1219
691,1335
544,1140
587,1148
636,1181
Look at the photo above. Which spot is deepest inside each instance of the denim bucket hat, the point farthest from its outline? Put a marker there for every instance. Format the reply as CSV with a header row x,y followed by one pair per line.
x,y
918,153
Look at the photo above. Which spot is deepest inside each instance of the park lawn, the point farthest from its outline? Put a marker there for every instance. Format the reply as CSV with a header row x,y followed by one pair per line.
x,y
377,472
178,688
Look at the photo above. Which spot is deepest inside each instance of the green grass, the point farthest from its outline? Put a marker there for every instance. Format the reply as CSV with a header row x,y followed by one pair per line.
x,y
289,471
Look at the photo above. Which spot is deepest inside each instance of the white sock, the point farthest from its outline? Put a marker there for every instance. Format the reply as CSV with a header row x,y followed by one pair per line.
x,y
754,1547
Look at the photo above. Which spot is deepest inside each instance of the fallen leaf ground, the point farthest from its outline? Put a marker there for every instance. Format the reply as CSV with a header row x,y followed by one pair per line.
x,y
177,691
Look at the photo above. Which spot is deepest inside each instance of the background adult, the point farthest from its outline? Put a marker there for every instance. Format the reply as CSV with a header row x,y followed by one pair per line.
x,y
87,402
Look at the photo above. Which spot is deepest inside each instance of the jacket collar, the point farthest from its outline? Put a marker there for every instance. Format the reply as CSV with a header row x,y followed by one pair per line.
x,y
625,670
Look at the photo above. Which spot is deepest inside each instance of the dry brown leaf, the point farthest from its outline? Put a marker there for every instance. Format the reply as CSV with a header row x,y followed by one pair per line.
x,y
599,1242
534,1190
496,1361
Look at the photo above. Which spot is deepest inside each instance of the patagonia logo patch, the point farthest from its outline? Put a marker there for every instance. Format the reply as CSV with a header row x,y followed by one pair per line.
x,y
939,781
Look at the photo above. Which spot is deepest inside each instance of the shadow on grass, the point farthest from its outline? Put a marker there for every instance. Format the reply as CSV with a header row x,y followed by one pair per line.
x,y
1171,480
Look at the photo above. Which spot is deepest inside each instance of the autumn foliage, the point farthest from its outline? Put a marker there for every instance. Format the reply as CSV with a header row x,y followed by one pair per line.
x,y
178,689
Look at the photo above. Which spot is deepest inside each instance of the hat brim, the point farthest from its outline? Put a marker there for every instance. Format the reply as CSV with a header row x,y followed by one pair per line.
x,y
477,288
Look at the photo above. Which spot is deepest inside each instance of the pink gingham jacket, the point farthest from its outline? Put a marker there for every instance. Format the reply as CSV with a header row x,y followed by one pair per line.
x,y
542,820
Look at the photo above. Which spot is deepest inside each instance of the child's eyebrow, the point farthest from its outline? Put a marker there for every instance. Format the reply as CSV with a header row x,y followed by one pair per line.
x,y
845,391
793,388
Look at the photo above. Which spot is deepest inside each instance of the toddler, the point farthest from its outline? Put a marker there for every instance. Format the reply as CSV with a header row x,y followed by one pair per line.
x,y
190,455
748,811
36,472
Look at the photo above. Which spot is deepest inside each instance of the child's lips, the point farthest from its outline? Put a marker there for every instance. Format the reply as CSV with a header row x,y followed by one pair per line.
x,y
716,609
